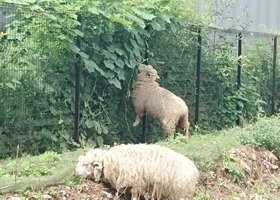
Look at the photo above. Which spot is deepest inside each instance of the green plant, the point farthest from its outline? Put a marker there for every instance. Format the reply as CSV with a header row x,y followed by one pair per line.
x,y
114,39
264,133
231,165
49,156
71,180
201,196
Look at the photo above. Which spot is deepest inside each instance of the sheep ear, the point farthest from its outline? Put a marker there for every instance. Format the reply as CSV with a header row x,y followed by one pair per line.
x,y
96,165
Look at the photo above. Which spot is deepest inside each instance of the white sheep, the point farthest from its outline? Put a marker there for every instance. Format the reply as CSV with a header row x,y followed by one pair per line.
x,y
149,98
149,170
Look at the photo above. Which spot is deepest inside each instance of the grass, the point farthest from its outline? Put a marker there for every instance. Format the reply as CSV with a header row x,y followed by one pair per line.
x,y
206,150
39,171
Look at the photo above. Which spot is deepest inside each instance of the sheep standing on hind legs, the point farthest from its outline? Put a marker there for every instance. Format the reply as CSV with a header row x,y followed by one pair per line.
x,y
149,98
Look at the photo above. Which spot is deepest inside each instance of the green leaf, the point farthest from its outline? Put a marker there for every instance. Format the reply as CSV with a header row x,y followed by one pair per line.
x,y
83,55
112,48
73,16
95,46
90,65
36,7
161,23
74,48
115,82
109,64
94,10
109,74
119,63
52,110
97,127
89,123
136,19
173,28
142,14
104,129
156,26
54,138
142,31
127,47
99,140
52,17
15,81
107,54
120,73
240,104
10,85
91,143
132,61
107,38
119,51
126,61
136,52
133,42
140,40
78,32
166,18
60,121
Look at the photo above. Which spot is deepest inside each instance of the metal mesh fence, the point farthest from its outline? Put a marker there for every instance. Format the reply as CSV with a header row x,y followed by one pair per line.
x,y
220,101
29,102
37,90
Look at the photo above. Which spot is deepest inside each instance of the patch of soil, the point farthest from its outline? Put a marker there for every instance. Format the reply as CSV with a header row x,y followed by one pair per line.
x,y
86,189
260,166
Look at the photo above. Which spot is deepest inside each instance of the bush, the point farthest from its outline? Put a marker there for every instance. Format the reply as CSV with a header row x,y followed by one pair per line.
x,y
264,133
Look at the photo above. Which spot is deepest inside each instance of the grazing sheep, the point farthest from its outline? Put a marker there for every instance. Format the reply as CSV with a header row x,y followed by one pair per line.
x,y
149,98
147,170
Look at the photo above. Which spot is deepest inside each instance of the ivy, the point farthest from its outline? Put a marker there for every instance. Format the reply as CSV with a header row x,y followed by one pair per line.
x,y
42,40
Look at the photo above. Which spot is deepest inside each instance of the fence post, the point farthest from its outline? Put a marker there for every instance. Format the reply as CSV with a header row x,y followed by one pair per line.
x,y
77,86
239,52
144,118
198,65
274,75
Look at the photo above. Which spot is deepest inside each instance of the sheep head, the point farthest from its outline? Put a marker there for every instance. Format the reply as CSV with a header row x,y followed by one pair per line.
x,y
90,165
147,73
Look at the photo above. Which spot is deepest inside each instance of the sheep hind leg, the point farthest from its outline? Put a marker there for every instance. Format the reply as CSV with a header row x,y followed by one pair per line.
x,y
137,120
184,124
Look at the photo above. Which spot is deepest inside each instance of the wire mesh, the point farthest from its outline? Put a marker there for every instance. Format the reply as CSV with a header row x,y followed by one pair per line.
x,y
29,100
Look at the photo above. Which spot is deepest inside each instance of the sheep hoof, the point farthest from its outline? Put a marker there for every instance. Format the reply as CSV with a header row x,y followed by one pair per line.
x,y
134,124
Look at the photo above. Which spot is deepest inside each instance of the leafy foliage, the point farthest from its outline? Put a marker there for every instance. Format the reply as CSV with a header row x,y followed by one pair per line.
x,y
43,43
38,70
264,133
232,166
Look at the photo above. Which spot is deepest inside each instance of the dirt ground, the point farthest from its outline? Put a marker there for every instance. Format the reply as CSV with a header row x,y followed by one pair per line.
x,y
260,166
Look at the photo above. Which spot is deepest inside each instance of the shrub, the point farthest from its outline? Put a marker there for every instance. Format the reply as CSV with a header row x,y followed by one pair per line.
x,y
264,133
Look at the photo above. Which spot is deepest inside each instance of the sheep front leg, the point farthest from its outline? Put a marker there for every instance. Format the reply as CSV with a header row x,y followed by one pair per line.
x,y
135,196
137,120
169,127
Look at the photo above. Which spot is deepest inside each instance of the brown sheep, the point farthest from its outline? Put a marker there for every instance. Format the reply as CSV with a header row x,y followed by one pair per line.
x,y
151,99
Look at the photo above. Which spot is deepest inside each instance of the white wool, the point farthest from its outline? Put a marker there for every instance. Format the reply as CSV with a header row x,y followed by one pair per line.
x,y
151,99
147,169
